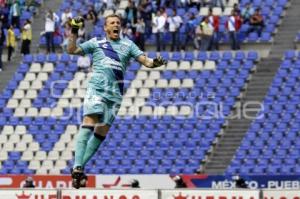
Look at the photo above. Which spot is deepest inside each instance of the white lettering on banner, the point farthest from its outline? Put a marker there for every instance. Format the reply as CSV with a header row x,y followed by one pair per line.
x,y
294,184
28,194
226,184
145,181
281,194
209,194
109,194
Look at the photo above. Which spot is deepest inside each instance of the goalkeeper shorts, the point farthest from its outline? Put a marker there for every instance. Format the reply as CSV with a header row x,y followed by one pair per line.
x,y
95,104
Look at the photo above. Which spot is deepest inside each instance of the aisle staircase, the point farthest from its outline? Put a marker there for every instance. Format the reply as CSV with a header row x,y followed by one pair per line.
x,y
222,153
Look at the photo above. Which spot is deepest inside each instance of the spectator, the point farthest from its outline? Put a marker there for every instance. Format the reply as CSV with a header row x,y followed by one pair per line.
x,y
218,3
2,39
89,23
236,8
10,42
14,14
29,183
213,21
66,35
179,183
233,25
131,13
206,34
66,16
81,35
140,34
51,18
256,22
26,38
31,6
190,32
158,28
174,24
4,16
145,11
83,63
127,32
247,12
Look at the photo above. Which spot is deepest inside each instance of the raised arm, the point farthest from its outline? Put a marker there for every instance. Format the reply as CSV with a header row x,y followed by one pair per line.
x,y
72,48
151,63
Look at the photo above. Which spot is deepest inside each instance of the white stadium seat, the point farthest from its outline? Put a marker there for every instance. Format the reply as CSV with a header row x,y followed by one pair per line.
x,y
27,138
19,112
146,110
18,94
162,83
32,112
20,130
45,112
172,65
35,68
30,76
174,83
197,65
34,164
144,92
24,85
33,146
40,155
21,146
209,65
53,155
187,83
42,76
12,103
27,155
154,75
31,94
7,130
184,65
172,110
36,84
48,67
3,155
25,103
149,83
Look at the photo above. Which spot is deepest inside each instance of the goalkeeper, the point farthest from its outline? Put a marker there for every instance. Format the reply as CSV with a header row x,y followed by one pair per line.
x,y
110,57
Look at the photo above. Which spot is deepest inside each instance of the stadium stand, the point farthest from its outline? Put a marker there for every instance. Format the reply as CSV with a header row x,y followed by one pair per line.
x,y
271,10
168,141
271,145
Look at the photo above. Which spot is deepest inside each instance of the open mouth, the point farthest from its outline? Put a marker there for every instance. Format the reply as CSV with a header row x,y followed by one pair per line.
x,y
116,31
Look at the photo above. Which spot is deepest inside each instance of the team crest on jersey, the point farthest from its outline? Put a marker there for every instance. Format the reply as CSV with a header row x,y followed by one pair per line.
x,y
123,47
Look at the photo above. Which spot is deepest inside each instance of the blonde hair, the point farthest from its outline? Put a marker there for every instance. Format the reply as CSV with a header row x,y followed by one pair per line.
x,y
110,16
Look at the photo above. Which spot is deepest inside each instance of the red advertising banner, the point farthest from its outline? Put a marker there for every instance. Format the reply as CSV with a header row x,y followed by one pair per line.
x,y
42,181
281,194
209,194
28,194
109,194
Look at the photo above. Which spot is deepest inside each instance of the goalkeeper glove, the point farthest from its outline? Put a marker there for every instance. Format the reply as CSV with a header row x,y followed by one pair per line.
x,y
76,23
158,61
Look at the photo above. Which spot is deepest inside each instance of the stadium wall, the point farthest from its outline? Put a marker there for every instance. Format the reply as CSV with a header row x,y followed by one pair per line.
x,y
147,194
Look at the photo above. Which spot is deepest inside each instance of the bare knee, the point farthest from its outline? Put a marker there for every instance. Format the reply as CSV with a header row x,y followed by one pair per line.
x,y
102,129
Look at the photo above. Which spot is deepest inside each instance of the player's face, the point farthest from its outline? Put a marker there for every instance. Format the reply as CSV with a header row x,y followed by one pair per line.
x,y
112,28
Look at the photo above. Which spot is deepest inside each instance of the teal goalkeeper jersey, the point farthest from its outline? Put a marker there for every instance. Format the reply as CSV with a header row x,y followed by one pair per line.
x,y
109,62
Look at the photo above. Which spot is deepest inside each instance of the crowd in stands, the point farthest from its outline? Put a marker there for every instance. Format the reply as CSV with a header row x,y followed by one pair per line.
x,y
202,32
144,18
15,25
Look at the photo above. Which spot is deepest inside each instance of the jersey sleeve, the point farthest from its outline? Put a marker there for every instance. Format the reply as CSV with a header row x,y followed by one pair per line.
x,y
89,46
135,51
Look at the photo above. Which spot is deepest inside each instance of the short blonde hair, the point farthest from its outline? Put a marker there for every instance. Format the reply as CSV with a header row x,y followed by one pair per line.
x,y
110,16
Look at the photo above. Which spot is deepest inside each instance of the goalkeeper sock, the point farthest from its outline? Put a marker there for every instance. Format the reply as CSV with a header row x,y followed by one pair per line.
x,y
92,147
81,142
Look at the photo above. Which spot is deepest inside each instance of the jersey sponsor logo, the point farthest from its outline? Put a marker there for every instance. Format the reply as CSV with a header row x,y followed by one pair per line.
x,y
104,46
